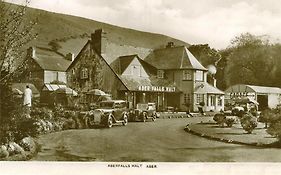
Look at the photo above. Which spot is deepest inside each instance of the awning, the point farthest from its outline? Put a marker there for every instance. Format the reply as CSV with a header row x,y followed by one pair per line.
x,y
206,88
60,89
251,88
52,87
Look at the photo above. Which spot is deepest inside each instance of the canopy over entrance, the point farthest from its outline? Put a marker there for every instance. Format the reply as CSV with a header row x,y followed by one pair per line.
x,y
251,88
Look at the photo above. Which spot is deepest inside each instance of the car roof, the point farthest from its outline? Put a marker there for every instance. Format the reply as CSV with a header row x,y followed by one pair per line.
x,y
116,101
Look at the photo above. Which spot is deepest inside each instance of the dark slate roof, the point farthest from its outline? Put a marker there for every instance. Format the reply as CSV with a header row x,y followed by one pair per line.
x,y
50,60
178,57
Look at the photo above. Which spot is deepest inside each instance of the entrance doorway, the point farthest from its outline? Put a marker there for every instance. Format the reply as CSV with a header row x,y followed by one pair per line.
x,y
263,102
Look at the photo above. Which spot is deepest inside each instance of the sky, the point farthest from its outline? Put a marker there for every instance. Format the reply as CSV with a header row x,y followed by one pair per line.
x,y
215,22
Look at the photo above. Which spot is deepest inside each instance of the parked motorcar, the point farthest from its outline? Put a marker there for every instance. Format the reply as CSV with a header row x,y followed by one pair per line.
x,y
143,112
170,109
244,105
109,113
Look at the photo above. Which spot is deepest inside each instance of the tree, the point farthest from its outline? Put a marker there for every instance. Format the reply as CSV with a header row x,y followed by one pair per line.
x,y
250,61
210,56
16,31
205,54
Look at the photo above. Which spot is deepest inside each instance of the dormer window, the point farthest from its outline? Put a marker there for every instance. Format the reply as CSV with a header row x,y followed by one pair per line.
x,y
160,74
187,75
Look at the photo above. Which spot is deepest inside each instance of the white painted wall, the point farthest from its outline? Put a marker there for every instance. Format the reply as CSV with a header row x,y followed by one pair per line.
x,y
273,100
50,76
135,69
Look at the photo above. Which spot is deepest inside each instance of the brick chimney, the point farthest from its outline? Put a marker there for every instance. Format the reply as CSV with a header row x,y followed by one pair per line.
x,y
215,82
31,52
70,56
98,41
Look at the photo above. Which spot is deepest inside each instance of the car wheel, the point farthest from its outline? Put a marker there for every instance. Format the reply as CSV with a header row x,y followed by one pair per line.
x,y
144,117
154,117
125,120
109,121
89,121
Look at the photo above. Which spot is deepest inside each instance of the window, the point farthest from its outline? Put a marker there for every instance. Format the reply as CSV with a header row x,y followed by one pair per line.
x,y
199,98
199,75
187,75
213,98
84,73
160,74
220,101
187,98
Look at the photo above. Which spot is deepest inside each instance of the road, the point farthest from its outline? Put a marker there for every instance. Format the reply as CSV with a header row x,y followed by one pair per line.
x,y
161,141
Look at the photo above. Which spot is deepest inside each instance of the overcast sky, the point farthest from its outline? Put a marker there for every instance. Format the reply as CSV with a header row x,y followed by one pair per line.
x,y
214,22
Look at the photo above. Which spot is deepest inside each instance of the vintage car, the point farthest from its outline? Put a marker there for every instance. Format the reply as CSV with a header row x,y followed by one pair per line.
x,y
243,105
143,112
109,113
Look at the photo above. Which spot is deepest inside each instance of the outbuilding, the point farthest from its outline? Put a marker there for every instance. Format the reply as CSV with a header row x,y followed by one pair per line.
x,y
267,97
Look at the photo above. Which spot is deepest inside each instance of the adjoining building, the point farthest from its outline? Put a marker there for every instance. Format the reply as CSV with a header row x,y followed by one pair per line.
x,y
177,64
267,97
45,67
171,76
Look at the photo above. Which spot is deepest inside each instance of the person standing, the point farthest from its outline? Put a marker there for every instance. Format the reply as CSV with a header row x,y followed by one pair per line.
x,y
27,95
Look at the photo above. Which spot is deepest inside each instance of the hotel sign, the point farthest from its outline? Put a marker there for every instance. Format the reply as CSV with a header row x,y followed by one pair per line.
x,y
242,94
157,88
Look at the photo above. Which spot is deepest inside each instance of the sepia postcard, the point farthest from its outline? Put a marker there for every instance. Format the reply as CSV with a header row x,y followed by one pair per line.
x,y
131,86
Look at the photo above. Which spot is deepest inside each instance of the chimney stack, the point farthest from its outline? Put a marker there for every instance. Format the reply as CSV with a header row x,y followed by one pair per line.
x,y
215,81
31,52
98,41
170,44
70,57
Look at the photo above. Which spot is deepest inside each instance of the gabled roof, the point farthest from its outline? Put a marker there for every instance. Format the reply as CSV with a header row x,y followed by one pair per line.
x,y
206,88
178,57
253,88
121,63
50,60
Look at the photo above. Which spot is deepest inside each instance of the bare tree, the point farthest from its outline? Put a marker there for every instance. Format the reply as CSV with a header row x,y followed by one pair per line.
x,y
16,31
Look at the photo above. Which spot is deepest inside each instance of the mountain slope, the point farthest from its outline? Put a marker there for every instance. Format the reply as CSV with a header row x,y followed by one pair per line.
x,y
54,26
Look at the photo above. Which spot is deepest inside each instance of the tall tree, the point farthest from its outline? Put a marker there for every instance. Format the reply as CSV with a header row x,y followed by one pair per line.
x,y
210,56
15,32
205,54
250,61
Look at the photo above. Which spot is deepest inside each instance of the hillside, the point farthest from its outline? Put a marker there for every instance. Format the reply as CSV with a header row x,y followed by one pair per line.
x,y
69,29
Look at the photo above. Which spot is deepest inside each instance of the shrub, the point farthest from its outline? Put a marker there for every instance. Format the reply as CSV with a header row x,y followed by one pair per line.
x,y
275,130
3,152
274,119
269,116
220,119
248,122
229,122
28,144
